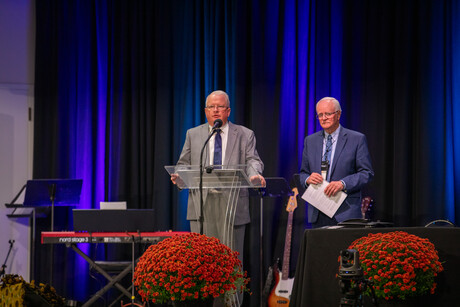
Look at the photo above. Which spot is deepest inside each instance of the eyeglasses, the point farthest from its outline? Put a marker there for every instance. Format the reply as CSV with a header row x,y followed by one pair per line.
x,y
325,115
220,108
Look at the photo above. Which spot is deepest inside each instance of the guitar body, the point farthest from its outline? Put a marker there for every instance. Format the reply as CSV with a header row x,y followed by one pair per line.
x,y
281,293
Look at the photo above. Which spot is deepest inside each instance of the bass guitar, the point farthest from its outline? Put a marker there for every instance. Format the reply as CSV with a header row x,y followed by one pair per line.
x,y
281,293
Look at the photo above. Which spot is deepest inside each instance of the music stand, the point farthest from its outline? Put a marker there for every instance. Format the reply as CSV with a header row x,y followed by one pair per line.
x,y
52,192
48,193
275,187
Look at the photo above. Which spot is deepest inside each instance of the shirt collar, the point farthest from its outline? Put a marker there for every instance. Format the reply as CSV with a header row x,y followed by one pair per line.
x,y
223,129
334,134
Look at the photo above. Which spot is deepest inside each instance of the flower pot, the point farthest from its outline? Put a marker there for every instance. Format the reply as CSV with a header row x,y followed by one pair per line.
x,y
400,265
188,266
208,302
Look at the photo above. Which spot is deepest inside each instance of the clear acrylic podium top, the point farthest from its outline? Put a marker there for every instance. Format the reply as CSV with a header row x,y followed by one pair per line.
x,y
214,176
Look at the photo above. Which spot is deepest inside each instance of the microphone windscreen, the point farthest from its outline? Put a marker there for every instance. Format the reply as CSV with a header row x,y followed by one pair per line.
x,y
218,123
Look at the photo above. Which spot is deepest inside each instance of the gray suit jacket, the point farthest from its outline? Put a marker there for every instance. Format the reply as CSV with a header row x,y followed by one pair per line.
x,y
241,149
352,164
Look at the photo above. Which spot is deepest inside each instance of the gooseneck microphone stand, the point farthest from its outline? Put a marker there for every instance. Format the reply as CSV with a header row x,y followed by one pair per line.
x,y
217,124
2,270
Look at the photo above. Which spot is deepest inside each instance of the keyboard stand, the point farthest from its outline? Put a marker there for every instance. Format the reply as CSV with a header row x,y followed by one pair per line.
x,y
113,281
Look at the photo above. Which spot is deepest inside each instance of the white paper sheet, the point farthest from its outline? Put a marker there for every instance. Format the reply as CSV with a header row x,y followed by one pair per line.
x,y
315,196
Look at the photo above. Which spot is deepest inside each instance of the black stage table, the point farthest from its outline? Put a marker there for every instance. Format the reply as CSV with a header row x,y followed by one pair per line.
x,y
316,284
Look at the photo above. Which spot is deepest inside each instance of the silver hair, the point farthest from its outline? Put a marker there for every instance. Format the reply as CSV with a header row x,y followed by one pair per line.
x,y
335,101
221,93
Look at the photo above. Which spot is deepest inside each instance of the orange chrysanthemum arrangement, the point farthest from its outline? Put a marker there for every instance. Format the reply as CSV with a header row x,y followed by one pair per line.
x,y
188,267
399,264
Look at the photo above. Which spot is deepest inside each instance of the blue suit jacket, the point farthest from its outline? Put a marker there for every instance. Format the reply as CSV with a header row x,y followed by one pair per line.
x,y
351,163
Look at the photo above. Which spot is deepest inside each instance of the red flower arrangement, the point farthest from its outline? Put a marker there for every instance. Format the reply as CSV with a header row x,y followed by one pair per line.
x,y
399,264
188,267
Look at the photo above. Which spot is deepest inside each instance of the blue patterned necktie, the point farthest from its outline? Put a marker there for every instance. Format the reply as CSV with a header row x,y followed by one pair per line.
x,y
327,153
218,148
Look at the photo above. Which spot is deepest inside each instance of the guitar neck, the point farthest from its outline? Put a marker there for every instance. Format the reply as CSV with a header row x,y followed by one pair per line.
x,y
287,247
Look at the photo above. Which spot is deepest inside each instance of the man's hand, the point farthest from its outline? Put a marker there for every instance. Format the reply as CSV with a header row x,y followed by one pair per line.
x,y
315,178
175,178
258,180
333,187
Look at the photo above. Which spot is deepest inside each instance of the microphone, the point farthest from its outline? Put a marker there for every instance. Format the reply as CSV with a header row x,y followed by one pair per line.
x,y
217,124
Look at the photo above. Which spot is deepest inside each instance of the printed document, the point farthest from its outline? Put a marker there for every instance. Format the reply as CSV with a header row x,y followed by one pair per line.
x,y
315,196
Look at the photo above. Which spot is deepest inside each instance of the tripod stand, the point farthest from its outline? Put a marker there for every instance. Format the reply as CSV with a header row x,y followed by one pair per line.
x,y
353,289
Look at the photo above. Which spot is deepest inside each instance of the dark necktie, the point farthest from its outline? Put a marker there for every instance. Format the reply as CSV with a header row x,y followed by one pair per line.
x,y
218,148
327,153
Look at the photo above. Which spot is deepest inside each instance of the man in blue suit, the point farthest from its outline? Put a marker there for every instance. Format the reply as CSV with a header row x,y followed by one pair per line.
x,y
348,163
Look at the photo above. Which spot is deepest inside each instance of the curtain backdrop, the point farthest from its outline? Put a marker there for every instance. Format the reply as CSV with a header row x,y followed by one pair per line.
x,y
118,83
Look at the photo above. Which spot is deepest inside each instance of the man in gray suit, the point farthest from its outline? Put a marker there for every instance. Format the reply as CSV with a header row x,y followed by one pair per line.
x,y
238,146
347,158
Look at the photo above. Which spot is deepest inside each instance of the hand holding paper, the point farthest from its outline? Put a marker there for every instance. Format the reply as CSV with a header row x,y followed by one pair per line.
x,y
315,196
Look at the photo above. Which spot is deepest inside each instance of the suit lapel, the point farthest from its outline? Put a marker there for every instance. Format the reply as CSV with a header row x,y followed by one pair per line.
x,y
232,137
341,141
319,152
204,133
